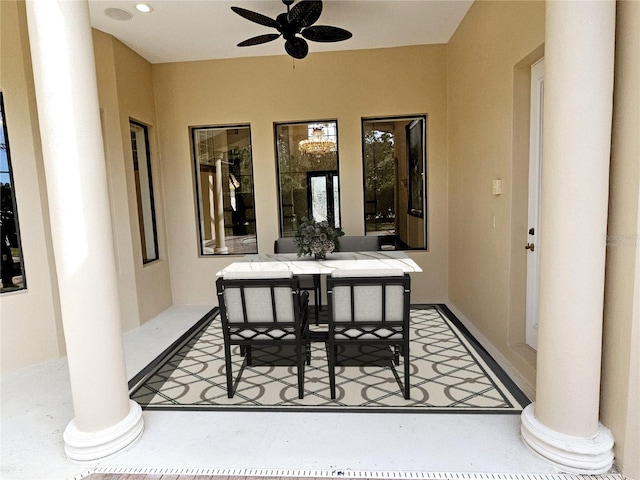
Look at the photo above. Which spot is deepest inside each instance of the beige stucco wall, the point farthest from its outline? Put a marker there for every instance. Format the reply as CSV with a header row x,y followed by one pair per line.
x,y
116,176
30,319
260,91
126,92
620,387
484,58
137,102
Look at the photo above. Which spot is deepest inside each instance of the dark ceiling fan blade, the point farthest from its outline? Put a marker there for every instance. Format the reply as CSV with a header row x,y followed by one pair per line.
x,y
255,17
323,33
259,39
297,47
305,13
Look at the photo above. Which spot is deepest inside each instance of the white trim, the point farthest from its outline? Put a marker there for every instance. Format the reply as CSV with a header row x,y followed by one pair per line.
x,y
579,455
82,447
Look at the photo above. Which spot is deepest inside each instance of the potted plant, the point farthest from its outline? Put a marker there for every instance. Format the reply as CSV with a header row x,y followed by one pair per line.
x,y
316,238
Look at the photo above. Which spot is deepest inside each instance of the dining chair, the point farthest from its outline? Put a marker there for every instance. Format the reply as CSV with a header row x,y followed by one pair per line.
x,y
358,243
369,307
309,283
263,309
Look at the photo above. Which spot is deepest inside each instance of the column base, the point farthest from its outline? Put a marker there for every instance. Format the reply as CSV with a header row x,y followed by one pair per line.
x,y
221,250
83,447
589,456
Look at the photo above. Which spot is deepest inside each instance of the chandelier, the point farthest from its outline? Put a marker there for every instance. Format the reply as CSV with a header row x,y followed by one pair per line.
x,y
317,143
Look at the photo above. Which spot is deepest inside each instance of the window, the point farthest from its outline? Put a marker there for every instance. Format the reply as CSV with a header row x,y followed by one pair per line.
x,y
144,191
224,188
12,265
308,184
394,156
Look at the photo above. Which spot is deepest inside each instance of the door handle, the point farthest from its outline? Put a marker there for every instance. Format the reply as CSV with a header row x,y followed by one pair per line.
x,y
530,246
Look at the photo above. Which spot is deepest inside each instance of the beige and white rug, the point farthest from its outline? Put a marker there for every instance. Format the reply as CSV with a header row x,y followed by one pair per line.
x,y
450,372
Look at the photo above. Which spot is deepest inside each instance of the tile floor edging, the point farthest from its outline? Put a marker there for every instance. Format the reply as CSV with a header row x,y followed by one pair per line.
x,y
336,474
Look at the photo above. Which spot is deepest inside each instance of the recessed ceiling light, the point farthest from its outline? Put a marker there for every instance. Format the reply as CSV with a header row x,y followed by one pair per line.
x,y
144,8
118,14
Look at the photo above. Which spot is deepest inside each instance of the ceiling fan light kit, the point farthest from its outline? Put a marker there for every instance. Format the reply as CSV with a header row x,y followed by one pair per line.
x,y
294,26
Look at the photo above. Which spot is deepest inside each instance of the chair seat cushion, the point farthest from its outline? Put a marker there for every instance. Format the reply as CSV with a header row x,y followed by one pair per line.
x,y
257,274
369,272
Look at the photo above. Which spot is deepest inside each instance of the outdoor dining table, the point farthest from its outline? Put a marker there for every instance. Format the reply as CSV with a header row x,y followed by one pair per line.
x,y
374,261
377,261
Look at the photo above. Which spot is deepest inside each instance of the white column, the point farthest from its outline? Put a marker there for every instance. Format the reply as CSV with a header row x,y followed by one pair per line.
x,y
106,421
221,246
562,425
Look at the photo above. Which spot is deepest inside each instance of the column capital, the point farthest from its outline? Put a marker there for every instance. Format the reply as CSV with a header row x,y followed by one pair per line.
x,y
588,456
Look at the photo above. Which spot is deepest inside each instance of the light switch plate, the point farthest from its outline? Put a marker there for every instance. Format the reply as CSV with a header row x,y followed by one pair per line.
x,y
497,186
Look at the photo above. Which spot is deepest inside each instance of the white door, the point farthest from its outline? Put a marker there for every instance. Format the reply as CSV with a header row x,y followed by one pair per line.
x,y
535,175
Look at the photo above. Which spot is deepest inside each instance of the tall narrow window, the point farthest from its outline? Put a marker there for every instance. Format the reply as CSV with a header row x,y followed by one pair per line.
x,y
394,166
12,265
224,185
144,191
307,156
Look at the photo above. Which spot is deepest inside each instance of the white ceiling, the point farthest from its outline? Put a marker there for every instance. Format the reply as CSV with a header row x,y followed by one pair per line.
x,y
184,30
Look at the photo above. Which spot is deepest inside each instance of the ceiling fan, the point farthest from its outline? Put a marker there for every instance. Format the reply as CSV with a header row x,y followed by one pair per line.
x,y
296,21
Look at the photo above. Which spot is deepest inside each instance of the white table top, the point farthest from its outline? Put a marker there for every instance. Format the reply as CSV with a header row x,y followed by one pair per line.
x,y
334,261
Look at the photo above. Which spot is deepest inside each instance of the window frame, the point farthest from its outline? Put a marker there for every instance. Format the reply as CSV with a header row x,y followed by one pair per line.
x,y
5,132
145,130
281,217
402,209
198,190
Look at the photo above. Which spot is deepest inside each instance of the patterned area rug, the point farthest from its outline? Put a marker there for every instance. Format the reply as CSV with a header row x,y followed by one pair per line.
x,y
450,372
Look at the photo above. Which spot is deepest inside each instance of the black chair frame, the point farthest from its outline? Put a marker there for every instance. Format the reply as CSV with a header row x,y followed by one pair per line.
x,y
274,329
360,332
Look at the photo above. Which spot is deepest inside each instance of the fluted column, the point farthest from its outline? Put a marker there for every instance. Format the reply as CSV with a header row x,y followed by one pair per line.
x,y
563,424
105,421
